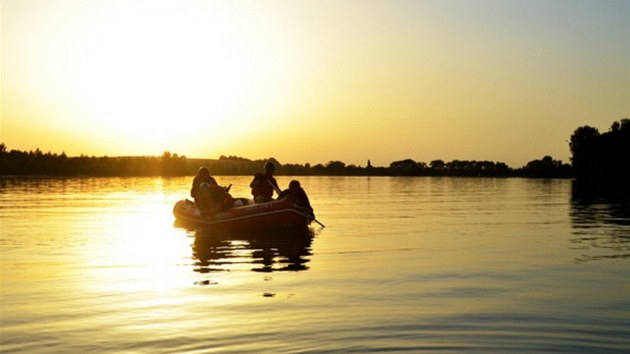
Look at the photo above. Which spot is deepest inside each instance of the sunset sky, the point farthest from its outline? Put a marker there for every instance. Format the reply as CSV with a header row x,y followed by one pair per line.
x,y
312,81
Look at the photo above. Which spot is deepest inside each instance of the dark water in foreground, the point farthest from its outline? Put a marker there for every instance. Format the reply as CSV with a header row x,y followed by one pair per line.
x,y
404,265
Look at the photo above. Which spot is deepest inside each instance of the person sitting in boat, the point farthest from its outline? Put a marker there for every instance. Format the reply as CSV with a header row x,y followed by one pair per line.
x,y
298,196
212,198
264,184
203,176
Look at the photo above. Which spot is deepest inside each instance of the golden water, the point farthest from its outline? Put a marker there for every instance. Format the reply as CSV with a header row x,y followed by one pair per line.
x,y
404,264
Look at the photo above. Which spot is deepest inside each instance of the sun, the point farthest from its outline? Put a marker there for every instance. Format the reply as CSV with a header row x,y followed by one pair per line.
x,y
152,75
141,77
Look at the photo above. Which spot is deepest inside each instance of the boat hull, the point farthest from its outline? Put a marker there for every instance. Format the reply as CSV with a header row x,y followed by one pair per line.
x,y
280,213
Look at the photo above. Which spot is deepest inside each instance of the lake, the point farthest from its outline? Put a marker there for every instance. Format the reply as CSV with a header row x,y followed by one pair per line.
x,y
438,265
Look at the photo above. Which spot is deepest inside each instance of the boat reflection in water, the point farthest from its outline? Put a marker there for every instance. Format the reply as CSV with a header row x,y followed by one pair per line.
x,y
282,249
600,217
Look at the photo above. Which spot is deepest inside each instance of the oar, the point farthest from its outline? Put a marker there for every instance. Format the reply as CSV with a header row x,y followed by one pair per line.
x,y
307,214
304,212
275,188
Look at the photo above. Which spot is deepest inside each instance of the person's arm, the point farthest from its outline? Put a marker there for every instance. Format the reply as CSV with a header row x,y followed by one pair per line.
x,y
285,193
194,189
274,183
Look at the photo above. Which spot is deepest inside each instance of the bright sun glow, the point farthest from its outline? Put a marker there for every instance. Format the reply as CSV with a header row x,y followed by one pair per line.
x,y
142,77
158,75
311,81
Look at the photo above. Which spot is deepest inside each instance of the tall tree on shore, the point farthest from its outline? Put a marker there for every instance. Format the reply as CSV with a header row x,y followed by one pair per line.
x,y
584,147
602,157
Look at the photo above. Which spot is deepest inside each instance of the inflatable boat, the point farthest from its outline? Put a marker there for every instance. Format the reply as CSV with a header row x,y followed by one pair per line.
x,y
277,213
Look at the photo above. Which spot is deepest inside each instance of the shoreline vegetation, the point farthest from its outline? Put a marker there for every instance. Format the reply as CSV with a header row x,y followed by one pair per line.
x,y
38,163
595,157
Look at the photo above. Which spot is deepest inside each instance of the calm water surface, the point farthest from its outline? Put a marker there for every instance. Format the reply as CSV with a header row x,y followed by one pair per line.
x,y
403,265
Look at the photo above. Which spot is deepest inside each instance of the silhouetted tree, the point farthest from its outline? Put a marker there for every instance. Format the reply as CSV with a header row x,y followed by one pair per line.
x,y
336,167
602,157
547,168
407,167
615,153
585,148
437,165
403,164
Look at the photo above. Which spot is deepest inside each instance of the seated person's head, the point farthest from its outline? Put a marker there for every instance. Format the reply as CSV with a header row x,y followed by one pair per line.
x,y
294,185
204,171
269,167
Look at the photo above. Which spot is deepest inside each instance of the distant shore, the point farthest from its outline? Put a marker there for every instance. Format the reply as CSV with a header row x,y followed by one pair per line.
x,y
38,163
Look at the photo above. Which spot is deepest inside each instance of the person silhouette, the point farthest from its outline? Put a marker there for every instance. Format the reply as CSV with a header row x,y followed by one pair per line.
x,y
264,184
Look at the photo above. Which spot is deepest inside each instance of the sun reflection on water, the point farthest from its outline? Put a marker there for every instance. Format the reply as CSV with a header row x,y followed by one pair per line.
x,y
140,244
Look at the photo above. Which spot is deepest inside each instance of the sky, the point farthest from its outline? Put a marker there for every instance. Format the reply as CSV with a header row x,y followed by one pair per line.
x,y
312,81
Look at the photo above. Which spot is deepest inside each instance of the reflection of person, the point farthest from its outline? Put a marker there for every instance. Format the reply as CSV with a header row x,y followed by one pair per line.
x,y
298,196
212,198
269,251
264,184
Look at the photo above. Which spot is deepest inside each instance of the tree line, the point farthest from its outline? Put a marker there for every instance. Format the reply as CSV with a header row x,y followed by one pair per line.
x,y
602,157
37,162
595,157
23,163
